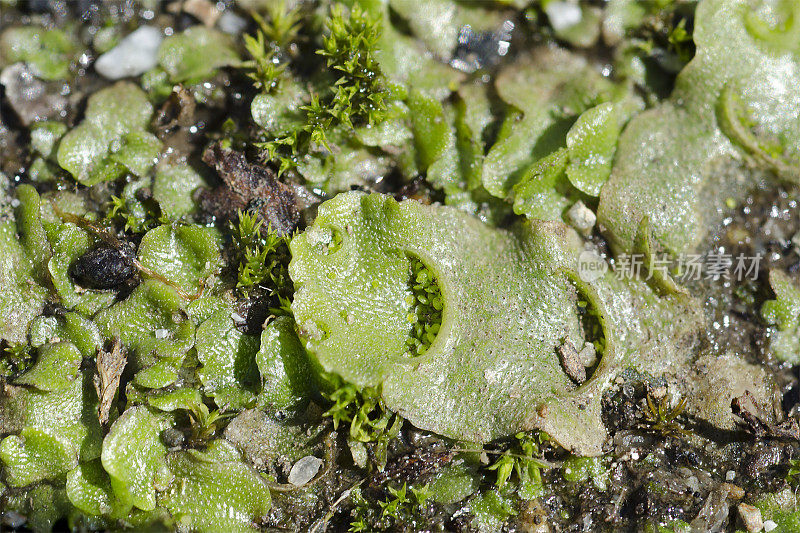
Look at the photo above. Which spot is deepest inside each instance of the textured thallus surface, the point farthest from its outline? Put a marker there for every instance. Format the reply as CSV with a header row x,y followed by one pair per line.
x,y
493,369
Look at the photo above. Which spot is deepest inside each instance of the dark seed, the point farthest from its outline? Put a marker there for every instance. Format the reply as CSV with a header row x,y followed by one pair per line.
x,y
172,437
103,267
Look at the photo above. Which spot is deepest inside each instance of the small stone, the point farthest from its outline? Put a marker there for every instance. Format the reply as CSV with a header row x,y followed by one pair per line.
x,y
563,15
735,492
751,517
304,470
135,54
658,392
231,23
588,355
358,450
769,525
730,475
534,518
581,218
172,437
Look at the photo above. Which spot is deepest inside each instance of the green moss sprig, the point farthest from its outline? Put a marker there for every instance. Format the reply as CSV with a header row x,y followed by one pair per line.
x,y
205,423
15,359
262,256
371,423
426,304
355,96
403,507
661,418
666,27
264,68
318,120
522,460
120,211
350,51
364,410
400,500
281,25
681,42
266,48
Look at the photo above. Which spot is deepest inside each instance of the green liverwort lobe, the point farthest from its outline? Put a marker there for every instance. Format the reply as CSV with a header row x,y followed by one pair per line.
x,y
460,323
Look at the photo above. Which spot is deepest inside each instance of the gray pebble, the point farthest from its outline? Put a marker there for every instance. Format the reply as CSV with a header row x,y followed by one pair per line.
x,y
304,470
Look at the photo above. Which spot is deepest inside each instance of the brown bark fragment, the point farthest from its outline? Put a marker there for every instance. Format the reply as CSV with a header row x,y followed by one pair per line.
x,y
248,187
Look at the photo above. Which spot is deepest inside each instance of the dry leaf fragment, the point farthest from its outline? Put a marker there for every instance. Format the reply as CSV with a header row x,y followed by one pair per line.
x,y
757,420
571,362
110,365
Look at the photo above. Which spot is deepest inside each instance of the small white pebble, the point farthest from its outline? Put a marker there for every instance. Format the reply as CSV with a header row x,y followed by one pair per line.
x,y
161,333
588,355
563,15
304,470
769,525
135,54
231,23
236,317
581,218
730,475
